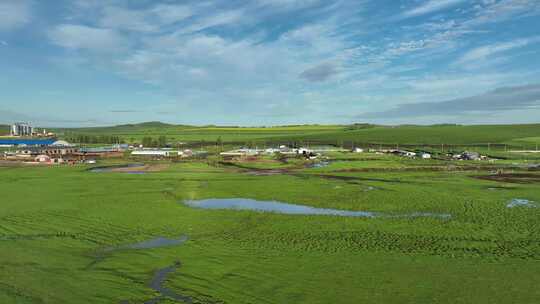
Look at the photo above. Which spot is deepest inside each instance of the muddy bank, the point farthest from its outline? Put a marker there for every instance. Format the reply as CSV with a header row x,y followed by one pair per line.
x,y
135,168
516,178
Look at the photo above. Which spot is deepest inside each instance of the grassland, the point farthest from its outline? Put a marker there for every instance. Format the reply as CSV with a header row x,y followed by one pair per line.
x,y
56,222
488,137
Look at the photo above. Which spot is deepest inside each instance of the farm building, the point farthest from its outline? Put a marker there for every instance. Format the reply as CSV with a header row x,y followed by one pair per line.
x,y
42,158
424,155
157,153
467,155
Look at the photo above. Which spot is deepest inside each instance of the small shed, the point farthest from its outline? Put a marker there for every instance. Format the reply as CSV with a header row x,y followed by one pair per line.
x,y
42,158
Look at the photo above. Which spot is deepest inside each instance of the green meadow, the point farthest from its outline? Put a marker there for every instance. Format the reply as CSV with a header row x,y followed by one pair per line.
x,y
57,226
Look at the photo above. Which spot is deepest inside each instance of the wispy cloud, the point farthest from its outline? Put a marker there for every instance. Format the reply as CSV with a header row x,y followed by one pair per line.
x,y
483,52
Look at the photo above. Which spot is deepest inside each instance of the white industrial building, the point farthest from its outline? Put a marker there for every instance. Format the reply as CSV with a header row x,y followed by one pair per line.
x,y
157,153
22,129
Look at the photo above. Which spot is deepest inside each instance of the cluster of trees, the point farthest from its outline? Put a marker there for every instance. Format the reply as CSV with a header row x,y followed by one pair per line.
x,y
159,142
93,139
4,130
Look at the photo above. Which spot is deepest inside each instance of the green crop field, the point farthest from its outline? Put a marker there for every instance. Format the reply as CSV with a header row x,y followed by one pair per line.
x,y
65,233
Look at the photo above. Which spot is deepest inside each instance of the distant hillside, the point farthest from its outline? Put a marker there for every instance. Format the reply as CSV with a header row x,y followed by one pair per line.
x,y
524,134
135,132
436,134
144,127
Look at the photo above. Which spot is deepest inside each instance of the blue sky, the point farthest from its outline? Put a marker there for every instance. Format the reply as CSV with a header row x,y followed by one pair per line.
x,y
268,62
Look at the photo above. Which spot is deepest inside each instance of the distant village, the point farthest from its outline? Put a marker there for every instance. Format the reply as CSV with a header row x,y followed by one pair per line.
x,y
28,145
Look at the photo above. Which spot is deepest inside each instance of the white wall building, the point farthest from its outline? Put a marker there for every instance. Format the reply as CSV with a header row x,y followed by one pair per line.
x,y
156,153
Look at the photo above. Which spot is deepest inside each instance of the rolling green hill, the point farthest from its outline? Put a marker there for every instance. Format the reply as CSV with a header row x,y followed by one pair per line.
x,y
437,134
201,133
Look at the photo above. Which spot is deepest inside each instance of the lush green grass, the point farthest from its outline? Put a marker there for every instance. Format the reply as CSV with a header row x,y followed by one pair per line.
x,y
54,223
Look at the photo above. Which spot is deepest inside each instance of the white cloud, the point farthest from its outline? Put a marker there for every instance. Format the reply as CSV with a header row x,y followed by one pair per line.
x,y
83,37
14,14
430,7
148,20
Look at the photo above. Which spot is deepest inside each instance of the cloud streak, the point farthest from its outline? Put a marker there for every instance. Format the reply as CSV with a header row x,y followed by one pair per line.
x,y
498,100
483,52
431,6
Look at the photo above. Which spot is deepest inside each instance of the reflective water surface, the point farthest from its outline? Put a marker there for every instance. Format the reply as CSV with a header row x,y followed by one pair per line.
x,y
518,202
285,208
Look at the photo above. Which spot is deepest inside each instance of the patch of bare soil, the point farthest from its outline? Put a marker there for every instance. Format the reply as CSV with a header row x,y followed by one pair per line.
x,y
142,168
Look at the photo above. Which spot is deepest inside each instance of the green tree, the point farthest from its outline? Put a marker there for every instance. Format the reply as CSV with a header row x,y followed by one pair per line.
x,y
162,141
147,141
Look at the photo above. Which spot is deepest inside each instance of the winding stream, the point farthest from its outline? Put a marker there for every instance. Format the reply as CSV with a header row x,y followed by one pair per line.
x,y
151,243
160,275
157,284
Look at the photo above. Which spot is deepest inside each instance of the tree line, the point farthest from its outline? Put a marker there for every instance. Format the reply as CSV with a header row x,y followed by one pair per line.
x,y
93,139
159,142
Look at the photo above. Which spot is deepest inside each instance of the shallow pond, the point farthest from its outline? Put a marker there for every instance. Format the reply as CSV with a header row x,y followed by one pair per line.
x,y
113,168
518,202
321,164
285,208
